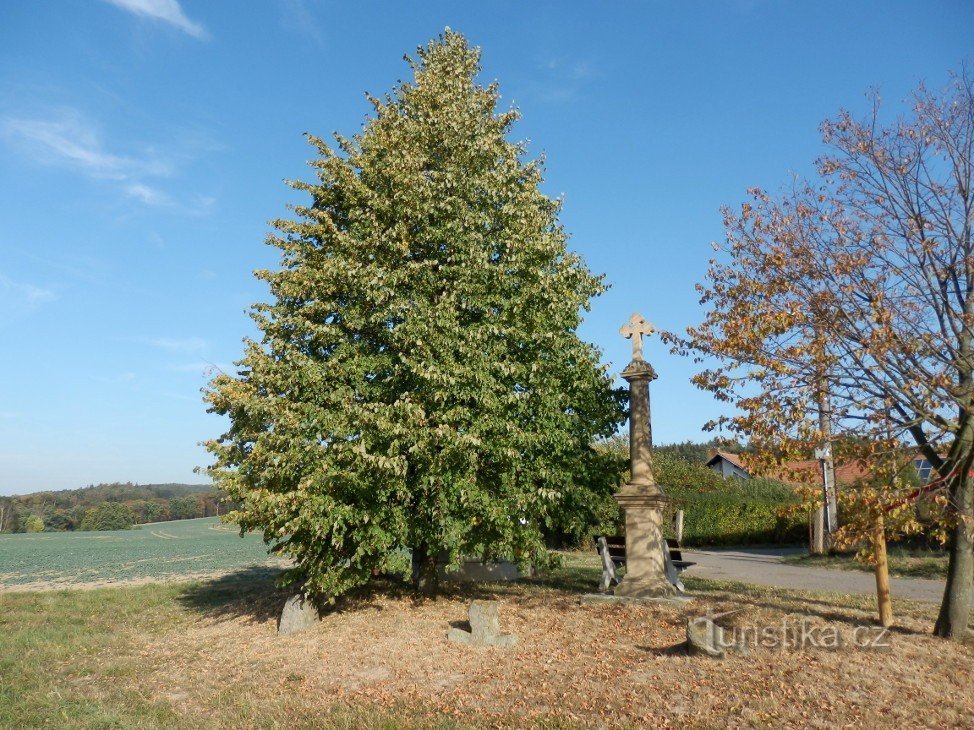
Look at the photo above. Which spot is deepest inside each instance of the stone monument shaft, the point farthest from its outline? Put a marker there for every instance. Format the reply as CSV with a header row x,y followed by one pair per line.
x,y
640,425
641,499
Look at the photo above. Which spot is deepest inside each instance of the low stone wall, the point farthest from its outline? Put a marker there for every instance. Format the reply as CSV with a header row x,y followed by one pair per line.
x,y
475,570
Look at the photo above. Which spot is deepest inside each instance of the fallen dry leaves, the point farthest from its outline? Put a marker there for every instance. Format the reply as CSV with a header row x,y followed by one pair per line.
x,y
608,665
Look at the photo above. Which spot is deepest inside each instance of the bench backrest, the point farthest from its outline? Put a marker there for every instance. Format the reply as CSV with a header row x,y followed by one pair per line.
x,y
674,547
616,545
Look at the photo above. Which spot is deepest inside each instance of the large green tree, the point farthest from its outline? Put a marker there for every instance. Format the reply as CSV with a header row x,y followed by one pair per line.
x,y
419,383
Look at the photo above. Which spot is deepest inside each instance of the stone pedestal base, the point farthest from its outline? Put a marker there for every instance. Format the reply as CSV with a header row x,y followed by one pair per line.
x,y
645,560
646,588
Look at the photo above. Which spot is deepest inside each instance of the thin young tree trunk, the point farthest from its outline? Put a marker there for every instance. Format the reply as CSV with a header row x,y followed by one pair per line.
x,y
882,571
817,546
828,471
955,611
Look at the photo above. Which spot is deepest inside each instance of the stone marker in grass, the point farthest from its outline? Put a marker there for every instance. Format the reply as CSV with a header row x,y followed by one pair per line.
x,y
707,638
298,615
485,627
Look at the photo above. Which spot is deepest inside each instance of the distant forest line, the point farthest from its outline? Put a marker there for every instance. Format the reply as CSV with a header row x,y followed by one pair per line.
x,y
118,505
112,506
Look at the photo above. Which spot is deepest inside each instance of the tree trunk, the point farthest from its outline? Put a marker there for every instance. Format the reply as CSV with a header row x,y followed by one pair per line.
x,y
817,531
882,571
425,576
955,611
828,464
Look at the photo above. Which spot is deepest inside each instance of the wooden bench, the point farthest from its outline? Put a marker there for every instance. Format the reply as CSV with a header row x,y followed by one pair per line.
x,y
612,550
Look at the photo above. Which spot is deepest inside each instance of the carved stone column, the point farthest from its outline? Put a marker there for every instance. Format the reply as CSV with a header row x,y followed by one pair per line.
x,y
641,499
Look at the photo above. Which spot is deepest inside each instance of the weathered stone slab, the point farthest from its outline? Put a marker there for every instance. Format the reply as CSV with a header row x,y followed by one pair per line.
x,y
707,638
298,615
484,627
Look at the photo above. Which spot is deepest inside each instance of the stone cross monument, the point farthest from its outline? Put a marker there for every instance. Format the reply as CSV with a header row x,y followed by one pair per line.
x,y
641,499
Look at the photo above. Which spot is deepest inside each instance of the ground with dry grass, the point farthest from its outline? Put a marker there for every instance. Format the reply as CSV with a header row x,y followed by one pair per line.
x,y
903,562
207,655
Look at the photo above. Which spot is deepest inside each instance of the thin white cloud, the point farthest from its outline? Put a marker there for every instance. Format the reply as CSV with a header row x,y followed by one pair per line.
x,y
175,344
200,205
565,79
168,11
297,18
18,299
147,194
572,71
67,138
21,294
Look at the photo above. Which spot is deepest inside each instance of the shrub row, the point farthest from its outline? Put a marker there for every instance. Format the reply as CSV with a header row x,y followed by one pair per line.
x,y
717,511
724,518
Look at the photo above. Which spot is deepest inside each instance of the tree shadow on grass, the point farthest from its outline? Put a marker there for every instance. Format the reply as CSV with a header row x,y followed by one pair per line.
x,y
248,593
566,580
252,594
840,610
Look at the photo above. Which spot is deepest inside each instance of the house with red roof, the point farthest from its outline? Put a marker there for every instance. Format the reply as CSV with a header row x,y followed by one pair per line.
x,y
728,465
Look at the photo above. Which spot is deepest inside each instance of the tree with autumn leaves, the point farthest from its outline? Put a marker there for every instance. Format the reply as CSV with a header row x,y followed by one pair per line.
x,y
855,291
419,384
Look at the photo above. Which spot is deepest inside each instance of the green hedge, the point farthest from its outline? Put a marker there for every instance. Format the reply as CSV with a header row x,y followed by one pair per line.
x,y
716,511
721,518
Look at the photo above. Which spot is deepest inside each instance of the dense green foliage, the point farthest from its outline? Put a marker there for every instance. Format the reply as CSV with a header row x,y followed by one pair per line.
x,y
420,383
727,518
720,511
67,509
697,453
717,511
108,516
33,523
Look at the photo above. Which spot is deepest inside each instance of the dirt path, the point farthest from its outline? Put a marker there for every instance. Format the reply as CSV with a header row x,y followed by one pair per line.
x,y
764,566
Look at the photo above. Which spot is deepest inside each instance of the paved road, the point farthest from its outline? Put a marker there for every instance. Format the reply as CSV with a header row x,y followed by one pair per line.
x,y
764,566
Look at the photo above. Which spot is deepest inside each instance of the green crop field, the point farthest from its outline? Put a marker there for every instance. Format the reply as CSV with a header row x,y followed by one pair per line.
x,y
159,551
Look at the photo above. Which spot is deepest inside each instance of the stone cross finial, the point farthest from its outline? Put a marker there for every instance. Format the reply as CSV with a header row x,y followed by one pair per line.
x,y
634,329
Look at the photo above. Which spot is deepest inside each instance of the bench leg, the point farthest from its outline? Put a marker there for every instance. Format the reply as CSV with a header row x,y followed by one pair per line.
x,y
606,581
671,572
608,567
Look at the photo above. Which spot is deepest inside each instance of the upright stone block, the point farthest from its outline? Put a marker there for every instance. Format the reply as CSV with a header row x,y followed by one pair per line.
x,y
298,615
485,627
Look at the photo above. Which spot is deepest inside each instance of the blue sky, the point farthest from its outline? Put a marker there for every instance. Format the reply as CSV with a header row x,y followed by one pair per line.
x,y
143,144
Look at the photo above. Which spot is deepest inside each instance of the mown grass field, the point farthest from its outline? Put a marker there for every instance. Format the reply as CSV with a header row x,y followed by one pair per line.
x,y
159,551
